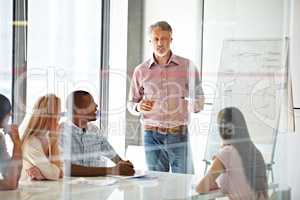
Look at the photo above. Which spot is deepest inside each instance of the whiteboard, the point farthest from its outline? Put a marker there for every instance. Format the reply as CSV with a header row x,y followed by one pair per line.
x,y
252,77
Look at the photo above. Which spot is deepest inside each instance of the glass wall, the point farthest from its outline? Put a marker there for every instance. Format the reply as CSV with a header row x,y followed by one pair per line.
x,y
64,54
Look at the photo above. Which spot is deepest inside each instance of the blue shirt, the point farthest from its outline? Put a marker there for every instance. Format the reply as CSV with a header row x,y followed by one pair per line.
x,y
88,147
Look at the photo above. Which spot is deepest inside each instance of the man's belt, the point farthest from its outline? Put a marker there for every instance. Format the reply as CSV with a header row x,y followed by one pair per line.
x,y
173,130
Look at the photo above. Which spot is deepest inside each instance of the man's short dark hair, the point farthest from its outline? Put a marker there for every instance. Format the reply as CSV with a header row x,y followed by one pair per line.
x,y
74,99
163,25
5,107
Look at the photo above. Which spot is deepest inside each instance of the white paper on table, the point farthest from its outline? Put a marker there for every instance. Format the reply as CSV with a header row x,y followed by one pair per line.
x,y
137,174
102,182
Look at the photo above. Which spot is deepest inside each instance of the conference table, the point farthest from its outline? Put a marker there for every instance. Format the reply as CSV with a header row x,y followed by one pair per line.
x,y
151,186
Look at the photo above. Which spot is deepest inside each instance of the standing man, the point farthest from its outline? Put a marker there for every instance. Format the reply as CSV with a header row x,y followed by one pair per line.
x,y
163,90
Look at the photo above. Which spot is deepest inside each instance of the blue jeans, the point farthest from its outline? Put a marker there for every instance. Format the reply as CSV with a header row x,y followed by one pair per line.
x,y
168,150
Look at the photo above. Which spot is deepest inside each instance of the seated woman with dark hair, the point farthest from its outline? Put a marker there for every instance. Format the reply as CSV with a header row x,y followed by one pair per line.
x,y
238,169
10,167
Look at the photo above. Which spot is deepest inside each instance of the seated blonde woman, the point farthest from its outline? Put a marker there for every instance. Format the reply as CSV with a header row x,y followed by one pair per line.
x,y
238,169
40,144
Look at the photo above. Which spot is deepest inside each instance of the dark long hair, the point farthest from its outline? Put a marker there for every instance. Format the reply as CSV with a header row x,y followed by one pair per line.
x,y
5,107
234,131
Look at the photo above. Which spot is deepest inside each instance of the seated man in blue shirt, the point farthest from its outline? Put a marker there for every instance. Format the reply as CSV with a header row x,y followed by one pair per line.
x,y
84,142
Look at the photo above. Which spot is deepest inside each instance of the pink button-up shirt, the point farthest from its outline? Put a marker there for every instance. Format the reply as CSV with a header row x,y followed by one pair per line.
x,y
170,86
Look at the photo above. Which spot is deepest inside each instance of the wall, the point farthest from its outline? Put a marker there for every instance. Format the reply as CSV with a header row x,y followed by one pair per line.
x,y
295,49
292,173
287,165
293,165
134,57
185,19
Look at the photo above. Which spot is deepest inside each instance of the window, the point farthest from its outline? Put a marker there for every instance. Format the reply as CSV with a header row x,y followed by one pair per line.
x,y
64,40
6,48
6,53
117,75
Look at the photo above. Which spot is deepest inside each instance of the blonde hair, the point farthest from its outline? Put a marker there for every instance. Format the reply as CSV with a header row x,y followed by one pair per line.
x,y
45,109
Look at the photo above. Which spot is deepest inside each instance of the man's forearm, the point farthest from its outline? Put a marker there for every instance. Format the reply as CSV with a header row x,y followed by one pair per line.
x,y
78,170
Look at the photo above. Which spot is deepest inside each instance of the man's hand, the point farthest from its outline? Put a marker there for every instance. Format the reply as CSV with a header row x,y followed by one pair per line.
x,y
127,162
145,105
35,174
123,168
